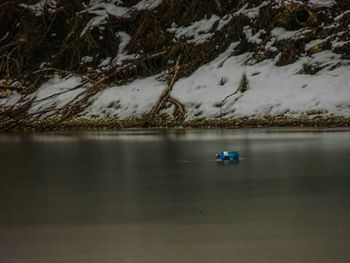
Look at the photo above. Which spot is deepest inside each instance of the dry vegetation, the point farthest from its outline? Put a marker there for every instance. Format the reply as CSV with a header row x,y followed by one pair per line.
x,y
34,48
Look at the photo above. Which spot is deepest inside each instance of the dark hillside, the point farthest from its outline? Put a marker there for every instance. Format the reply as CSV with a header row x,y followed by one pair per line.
x,y
111,42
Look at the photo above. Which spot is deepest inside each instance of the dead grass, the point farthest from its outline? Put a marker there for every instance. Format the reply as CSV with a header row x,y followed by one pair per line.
x,y
53,124
55,39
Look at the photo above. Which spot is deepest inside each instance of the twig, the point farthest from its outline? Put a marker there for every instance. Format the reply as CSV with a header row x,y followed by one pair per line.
x,y
167,92
60,93
51,69
6,87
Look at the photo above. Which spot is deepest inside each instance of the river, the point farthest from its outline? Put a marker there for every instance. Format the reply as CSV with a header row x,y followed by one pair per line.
x,y
160,196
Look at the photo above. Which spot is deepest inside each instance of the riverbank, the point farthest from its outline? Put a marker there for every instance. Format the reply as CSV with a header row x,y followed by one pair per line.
x,y
55,124
150,64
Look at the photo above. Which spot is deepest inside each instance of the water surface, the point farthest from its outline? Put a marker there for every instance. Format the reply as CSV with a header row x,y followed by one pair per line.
x,y
160,196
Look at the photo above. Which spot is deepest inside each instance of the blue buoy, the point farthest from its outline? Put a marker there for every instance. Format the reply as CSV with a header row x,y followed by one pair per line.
x,y
228,156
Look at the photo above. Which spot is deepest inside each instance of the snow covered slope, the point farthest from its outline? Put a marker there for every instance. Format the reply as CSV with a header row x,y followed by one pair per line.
x,y
271,90
232,59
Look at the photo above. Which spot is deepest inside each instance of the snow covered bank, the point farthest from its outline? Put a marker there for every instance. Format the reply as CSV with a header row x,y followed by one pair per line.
x,y
272,90
117,60
213,90
126,101
56,94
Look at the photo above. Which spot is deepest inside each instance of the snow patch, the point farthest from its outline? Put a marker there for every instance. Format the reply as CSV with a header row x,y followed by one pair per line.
x,y
281,33
314,43
198,32
272,90
12,98
339,44
38,8
86,60
254,39
102,10
55,94
122,55
105,63
147,5
322,3
126,101
251,12
224,21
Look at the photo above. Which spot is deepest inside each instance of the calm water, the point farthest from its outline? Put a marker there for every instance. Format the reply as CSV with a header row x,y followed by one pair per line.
x,y
160,196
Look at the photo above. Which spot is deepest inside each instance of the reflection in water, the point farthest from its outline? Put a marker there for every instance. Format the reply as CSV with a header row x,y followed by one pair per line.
x,y
160,196
227,163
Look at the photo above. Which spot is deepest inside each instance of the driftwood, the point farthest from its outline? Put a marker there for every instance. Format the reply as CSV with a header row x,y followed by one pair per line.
x,y
165,97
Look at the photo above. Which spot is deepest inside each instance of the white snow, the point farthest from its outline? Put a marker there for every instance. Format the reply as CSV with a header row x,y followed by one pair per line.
x,y
213,89
224,21
102,9
55,94
87,59
339,17
251,12
38,8
11,99
122,54
147,5
105,62
254,39
270,45
339,43
198,32
126,101
322,3
313,3
281,33
272,90
281,3
314,43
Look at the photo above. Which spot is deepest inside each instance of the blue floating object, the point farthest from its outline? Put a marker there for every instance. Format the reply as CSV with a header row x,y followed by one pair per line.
x,y
228,156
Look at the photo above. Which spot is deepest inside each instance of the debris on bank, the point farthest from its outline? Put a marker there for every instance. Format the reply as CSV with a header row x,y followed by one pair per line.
x,y
172,62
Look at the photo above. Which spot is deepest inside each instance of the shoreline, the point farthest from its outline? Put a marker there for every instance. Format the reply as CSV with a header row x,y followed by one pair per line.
x,y
56,124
